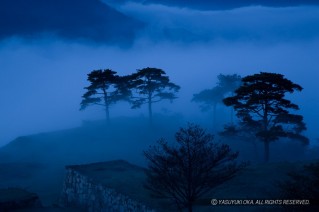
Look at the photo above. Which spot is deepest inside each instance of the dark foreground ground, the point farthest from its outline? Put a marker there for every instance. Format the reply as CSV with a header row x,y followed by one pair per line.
x,y
36,163
254,182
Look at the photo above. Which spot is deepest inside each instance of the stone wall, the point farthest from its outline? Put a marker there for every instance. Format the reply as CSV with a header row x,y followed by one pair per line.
x,y
81,191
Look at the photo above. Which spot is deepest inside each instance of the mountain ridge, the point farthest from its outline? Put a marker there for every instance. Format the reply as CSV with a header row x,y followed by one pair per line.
x,y
73,19
220,5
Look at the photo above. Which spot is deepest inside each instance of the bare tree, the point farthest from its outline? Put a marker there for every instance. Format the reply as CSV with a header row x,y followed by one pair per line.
x,y
186,172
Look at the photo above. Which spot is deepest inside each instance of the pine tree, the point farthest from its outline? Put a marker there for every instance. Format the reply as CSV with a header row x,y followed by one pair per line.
x,y
106,88
210,98
261,105
151,86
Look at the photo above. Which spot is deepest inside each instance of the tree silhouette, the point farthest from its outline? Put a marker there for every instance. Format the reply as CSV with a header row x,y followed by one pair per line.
x,y
210,98
261,106
106,88
229,83
185,172
151,86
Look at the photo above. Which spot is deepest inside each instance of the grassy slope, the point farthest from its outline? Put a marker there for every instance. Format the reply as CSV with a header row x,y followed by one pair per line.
x,y
37,162
254,182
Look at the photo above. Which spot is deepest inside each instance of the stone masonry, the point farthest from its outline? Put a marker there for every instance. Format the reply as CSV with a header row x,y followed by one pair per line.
x,y
84,190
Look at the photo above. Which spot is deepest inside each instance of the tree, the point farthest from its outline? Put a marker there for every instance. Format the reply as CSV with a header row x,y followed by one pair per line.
x,y
106,88
210,98
152,86
185,172
229,83
260,104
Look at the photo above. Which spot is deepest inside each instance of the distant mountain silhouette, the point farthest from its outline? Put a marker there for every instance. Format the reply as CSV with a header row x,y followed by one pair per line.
x,y
71,19
227,4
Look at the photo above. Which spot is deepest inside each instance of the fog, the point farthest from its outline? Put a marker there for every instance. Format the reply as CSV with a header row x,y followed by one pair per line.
x,y
42,80
43,75
250,24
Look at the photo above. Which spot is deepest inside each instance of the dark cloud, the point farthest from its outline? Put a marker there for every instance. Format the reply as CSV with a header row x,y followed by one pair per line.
x,y
231,4
220,5
71,19
248,24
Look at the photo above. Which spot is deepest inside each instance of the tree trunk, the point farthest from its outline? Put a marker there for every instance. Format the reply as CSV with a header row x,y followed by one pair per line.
x,y
232,115
107,105
190,207
150,113
107,114
214,117
266,143
266,132
232,112
255,150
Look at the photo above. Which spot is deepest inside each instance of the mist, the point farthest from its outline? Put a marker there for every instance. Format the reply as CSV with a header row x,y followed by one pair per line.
x,y
44,67
42,79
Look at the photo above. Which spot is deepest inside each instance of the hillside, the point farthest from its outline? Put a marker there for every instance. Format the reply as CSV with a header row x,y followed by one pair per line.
x,y
120,178
37,162
125,138
73,19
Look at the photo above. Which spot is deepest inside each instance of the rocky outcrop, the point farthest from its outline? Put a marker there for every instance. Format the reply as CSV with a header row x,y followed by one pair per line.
x,y
108,186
